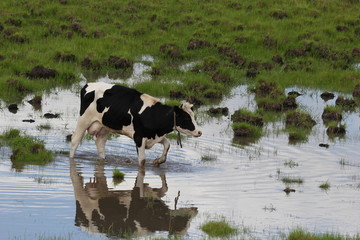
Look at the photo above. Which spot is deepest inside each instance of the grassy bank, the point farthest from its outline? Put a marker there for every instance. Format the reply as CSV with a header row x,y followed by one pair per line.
x,y
291,42
25,149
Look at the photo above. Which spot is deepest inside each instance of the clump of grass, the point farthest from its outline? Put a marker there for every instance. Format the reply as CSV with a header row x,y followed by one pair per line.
x,y
325,185
301,234
331,113
218,229
244,115
291,180
244,129
26,149
118,176
299,120
297,135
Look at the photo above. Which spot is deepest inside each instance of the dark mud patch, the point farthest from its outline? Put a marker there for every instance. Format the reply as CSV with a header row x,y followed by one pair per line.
x,y
356,92
13,108
289,103
51,115
65,57
219,111
196,43
17,85
171,50
330,114
42,72
243,115
36,102
298,119
327,96
346,103
120,62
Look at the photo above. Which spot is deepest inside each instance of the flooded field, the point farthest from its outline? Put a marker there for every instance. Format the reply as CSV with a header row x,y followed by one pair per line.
x,y
211,177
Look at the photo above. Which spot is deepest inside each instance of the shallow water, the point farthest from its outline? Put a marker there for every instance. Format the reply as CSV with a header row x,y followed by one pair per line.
x,y
241,183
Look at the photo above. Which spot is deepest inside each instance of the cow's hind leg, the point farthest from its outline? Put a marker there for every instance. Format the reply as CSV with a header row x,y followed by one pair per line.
x,y
100,141
165,142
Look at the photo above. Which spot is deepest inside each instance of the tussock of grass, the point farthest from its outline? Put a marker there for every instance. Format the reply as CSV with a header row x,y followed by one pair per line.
x,y
244,129
218,229
26,149
325,185
300,234
118,176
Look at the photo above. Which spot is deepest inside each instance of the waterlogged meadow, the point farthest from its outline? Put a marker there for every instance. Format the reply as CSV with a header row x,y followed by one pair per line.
x,y
263,187
276,91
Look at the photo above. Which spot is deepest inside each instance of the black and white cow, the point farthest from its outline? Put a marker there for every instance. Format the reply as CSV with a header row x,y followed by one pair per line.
x,y
113,108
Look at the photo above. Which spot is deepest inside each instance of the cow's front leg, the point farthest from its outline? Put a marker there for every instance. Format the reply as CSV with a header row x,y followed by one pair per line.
x,y
141,152
165,142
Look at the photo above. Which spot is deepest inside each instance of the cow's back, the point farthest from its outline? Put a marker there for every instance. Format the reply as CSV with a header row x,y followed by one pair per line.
x,y
114,102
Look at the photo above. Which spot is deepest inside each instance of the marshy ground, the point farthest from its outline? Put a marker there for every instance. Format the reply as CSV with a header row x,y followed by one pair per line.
x,y
275,182
282,61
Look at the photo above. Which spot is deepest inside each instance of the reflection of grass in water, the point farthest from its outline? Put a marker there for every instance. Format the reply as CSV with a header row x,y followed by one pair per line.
x,y
208,157
290,180
44,127
291,164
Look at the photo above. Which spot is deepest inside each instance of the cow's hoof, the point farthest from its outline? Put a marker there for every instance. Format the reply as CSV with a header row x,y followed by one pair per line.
x,y
158,161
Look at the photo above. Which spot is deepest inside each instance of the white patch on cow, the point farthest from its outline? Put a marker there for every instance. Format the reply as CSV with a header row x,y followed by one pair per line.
x,y
99,88
148,101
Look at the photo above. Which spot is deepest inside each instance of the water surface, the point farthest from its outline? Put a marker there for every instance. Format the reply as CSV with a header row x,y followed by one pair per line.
x,y
240,182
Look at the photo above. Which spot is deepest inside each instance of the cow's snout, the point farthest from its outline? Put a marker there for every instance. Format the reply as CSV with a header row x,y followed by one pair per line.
x,y
198,133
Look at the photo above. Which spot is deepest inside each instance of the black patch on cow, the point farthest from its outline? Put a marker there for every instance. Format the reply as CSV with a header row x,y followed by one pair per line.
x,y
183,119
86,99
119,100
156,120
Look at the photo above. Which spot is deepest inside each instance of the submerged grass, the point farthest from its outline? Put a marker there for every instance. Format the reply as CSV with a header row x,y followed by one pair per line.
x,y
26,149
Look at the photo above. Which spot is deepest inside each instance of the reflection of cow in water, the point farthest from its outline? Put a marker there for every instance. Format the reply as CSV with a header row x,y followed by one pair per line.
x,y
125,212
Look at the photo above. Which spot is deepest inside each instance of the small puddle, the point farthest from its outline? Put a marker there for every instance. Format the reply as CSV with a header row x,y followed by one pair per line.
x,y
210,177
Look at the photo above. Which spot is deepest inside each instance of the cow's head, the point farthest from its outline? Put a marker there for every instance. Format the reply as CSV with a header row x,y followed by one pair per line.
x,y
185,121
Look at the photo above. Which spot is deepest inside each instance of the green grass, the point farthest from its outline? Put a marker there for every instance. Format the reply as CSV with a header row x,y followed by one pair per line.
x,y
325,186
244,129
218,229
314,41
26,149
118,176
300,234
